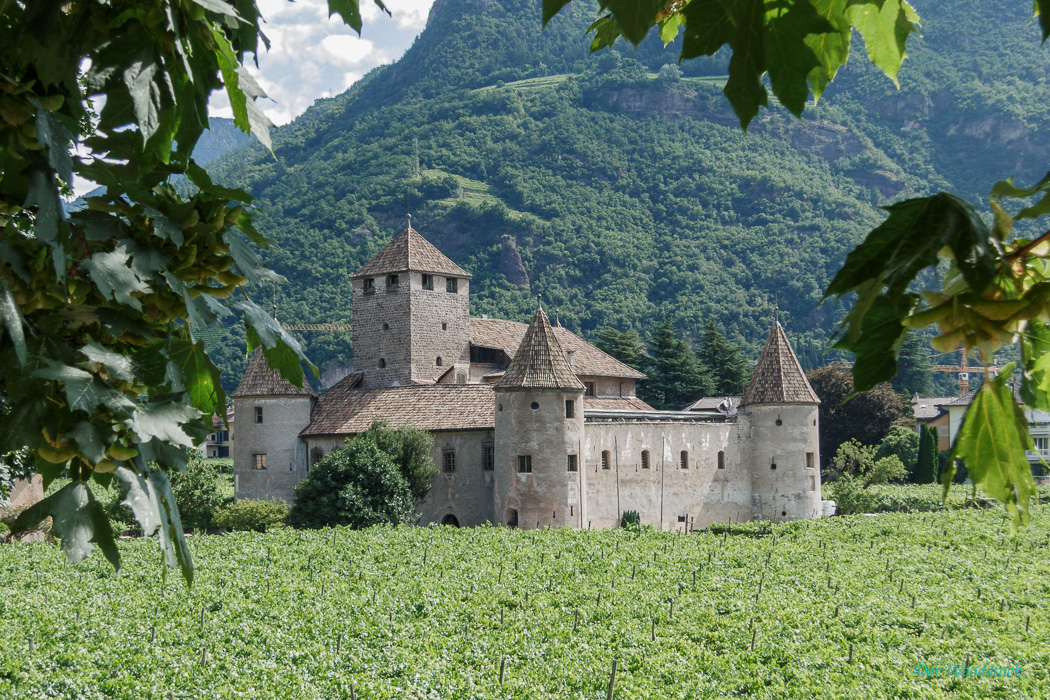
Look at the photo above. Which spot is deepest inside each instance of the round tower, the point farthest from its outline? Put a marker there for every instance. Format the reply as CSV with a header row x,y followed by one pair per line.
x,y
785,447
269,458
539,477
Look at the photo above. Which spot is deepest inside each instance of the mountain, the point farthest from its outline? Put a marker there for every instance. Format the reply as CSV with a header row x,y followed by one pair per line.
x,y
619,185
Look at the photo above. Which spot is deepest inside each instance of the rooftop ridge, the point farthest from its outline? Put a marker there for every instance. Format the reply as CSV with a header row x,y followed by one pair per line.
x,y
260,380
410,251
539,362
778,376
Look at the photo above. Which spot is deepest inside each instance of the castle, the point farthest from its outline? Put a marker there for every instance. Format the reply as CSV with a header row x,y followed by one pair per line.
x,y
533,426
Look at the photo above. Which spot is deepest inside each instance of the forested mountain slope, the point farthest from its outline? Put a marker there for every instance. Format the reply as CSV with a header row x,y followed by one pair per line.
x,y
620,187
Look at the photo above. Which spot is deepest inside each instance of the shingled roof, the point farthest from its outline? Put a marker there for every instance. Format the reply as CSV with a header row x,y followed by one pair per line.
x,y
615,403
410,251
586,359
260,380
539,362
778,376
344,410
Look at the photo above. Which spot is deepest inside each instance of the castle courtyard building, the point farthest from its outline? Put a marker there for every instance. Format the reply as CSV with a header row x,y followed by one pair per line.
x,y
533,426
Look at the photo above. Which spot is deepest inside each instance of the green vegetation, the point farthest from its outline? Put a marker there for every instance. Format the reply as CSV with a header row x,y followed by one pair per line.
x,y
433,612
252,515
928,464
855,469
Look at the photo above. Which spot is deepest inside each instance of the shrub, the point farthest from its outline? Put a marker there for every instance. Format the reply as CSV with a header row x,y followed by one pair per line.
x,y
198,493
631,518
248,514
359,485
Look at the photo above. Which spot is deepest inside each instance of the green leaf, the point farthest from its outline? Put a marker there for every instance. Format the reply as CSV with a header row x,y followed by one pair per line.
x,y
55,139
82,392
12,320
993,442
551,8
789,57
708,27
606,32
830,48
744,88
149,89
634,17
220,6
877,348
88,440
669,28
259,123
165,227
78,520
247,262
281,350
885,26
163,421
201,378
99,226
909,241
115,280
199,177
153,504
116,364
1035,354
348,10
1042,10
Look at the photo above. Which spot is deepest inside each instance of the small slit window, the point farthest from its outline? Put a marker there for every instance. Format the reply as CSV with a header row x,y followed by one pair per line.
x,y
683,459
258,414
391,280
810,460
315,456
382,363
772,466
488,462
524,464
461,378
444,325
605,459
386,326
721,460
645,459
572,464
438,362
570,408
589,388
428,282
451,285
259,461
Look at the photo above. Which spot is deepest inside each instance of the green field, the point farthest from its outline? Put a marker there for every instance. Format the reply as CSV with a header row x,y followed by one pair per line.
x,y
432,613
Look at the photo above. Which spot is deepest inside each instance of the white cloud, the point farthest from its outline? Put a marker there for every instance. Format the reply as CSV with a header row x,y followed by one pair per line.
x,y
313,55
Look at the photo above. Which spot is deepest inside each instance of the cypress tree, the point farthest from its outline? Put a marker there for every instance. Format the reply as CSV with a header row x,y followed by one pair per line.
x,y
926,468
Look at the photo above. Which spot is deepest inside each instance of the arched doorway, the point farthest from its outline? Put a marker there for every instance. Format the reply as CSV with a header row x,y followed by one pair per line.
x,y
450,520
512,517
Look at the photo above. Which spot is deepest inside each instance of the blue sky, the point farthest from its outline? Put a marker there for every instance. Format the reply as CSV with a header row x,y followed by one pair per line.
x,y
312,55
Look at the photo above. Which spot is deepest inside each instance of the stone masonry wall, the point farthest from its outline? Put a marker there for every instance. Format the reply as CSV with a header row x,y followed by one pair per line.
x,y
389,305
440,327
792,490
277,438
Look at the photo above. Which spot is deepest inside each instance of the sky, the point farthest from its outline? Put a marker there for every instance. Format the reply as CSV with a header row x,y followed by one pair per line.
x,y
313,55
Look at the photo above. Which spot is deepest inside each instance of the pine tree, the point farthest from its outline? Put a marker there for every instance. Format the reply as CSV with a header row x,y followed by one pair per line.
x,y
625,346
676,374
730,370
926,468
914,375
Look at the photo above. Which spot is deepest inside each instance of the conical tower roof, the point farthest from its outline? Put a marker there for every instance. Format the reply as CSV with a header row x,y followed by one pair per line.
x,y
410,251
539,362
778,376
260,380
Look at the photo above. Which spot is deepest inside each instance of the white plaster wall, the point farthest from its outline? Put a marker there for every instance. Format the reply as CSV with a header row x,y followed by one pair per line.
x,y
278,438
792,490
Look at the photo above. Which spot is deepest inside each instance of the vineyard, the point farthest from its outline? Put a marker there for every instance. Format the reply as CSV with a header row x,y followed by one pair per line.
x,y
845,605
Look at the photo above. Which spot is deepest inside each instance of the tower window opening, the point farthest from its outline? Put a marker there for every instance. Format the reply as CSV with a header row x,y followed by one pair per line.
x,y
683,459
810,460
258,414
721,460
382,363
605,459
258,461
773,466
524,464
386,326
451,285
645,459
370,285
461,378
391,280
438,362
570,408
589,389
428,282
444,326
448,461
534,406
488,462
572,463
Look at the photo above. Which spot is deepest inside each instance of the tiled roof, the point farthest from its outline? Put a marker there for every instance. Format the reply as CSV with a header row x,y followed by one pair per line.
x,y
926,408
585,359
967,398
260,380
615,403
778,376
410,251
344,410
539,362
715,404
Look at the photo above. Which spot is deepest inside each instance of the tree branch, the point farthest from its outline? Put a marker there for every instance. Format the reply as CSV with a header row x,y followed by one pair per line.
x,y
1028,247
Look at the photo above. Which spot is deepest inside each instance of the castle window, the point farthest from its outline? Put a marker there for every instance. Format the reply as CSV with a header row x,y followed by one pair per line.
x,y
570,409
444,326
683,459
448,461
258,461
461,378
386,326
382,363
258,414
315,456
721,460
451,285
428,282
534,406
572,464
524,464
488,463
812,482
370,286
605,459
590,388
773,466
645,459
391,280
810,459
437,362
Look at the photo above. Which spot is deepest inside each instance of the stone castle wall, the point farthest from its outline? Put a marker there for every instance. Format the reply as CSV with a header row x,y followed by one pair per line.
x,y
278,438
372,343
440,327
792,490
